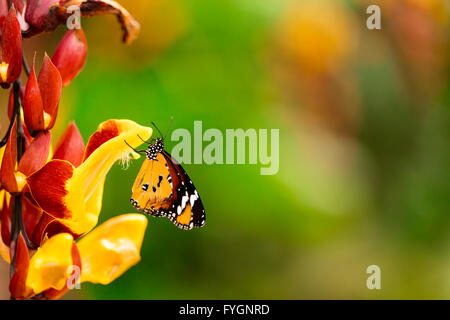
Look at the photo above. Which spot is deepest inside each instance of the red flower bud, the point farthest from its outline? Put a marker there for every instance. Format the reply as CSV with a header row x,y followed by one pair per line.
x,y
42,96
17,285
36,154
12,177
71,54
18,4
6,220
8,179
3,12
47,15
11,42
70,146
38,12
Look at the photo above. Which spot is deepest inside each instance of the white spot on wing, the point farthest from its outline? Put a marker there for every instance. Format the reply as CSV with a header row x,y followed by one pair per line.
x,y
184,200
194,198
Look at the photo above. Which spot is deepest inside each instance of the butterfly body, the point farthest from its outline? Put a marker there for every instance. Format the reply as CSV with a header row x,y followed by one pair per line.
x,y
164,189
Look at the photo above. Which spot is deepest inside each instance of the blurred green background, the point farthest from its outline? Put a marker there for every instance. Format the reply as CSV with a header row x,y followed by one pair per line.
x,y
363,115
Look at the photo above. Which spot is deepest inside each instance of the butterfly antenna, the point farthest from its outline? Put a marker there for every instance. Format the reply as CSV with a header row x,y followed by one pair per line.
x,y
168,129
147,142
159,131
137,151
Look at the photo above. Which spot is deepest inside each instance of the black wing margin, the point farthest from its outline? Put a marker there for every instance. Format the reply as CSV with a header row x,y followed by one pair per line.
x,y
186,188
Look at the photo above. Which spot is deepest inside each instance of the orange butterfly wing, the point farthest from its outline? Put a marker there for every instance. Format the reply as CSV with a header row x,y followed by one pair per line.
x,y
184,220
163,189
152,189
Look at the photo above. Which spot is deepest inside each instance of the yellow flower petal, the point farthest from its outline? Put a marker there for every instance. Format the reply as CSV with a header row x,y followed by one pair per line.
x,y
4,72
50,267
21,180
3,196
85,188
2,152
112,248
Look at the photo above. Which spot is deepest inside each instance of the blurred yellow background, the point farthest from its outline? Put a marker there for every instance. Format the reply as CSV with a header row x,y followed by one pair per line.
x,y
363,115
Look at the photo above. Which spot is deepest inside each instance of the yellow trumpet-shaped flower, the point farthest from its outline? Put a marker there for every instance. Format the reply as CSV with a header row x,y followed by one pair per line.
x,y
72,196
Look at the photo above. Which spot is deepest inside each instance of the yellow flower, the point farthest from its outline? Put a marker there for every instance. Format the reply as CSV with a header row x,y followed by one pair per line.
x,y
49,267
68,190
100,257
72,196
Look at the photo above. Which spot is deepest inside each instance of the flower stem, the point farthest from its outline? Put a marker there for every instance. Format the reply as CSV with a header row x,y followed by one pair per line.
x,y
20,134
20,151
26,68
17,214
17,206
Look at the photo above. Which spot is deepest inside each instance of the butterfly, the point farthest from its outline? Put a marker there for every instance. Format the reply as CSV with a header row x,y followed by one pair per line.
x,y
163,188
